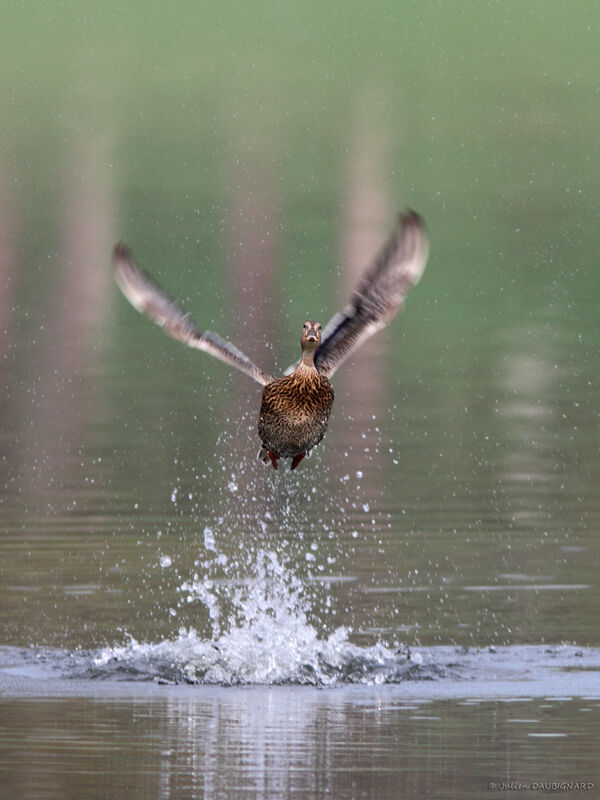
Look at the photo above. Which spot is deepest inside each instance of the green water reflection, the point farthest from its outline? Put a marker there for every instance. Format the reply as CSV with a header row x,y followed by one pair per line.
x,y
255,161
256,174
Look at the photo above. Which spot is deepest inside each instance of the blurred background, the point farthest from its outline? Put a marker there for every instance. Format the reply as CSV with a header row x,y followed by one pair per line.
x,y
255,160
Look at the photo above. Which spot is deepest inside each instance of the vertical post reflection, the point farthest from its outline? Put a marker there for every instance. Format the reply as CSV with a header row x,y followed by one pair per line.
x,y
8,254
9,277
360,389
252,253
74,312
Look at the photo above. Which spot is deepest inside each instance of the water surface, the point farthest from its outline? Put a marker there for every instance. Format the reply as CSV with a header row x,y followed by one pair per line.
x,y
414,609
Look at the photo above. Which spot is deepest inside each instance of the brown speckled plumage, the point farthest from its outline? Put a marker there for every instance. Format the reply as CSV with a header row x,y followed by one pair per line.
x,y
294,413
295,409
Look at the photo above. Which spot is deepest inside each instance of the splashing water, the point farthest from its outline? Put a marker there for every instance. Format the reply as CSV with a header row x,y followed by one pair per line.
x,y
265,609
266,638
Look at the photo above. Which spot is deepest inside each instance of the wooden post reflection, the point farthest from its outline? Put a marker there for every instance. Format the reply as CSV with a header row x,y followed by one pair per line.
x,y
10,275
253,248
8,255
64,391
359,384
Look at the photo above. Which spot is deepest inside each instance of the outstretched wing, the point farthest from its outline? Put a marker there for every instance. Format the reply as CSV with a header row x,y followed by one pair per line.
x,y
379,294
147,297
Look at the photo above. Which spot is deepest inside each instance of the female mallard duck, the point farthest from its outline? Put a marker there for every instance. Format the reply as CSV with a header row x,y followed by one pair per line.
x,y
295,408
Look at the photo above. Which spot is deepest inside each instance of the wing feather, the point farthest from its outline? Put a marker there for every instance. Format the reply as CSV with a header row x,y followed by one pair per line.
x,y
147,297
379,295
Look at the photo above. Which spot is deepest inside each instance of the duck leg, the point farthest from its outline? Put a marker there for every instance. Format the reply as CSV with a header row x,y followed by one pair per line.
x,y
296,460
273,458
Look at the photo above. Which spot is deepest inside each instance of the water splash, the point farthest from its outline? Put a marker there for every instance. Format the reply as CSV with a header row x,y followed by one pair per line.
x,y
258,609
261,634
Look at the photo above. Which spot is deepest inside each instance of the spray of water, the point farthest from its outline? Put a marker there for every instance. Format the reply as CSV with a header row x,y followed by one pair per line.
x,y
261,634
271,617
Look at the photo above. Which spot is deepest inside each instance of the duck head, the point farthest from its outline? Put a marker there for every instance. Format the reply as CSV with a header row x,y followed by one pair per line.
x,y
311,335
310,340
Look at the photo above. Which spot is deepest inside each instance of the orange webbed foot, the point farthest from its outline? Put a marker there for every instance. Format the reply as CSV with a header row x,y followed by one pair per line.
x,y
273,458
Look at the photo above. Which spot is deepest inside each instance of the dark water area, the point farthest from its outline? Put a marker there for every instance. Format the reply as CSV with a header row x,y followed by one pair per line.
x,y
413,611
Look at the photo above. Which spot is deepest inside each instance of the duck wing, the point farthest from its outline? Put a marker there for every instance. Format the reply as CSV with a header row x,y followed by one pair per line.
x,y
379,294
147,297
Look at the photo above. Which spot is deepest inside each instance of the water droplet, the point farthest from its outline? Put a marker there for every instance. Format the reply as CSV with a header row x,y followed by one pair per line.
x,y
209,539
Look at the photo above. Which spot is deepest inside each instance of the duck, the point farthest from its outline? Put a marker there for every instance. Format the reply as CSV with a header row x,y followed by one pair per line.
x,y
295,407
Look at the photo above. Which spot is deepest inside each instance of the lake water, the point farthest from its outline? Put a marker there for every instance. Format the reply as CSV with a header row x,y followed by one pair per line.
x,y
413,612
